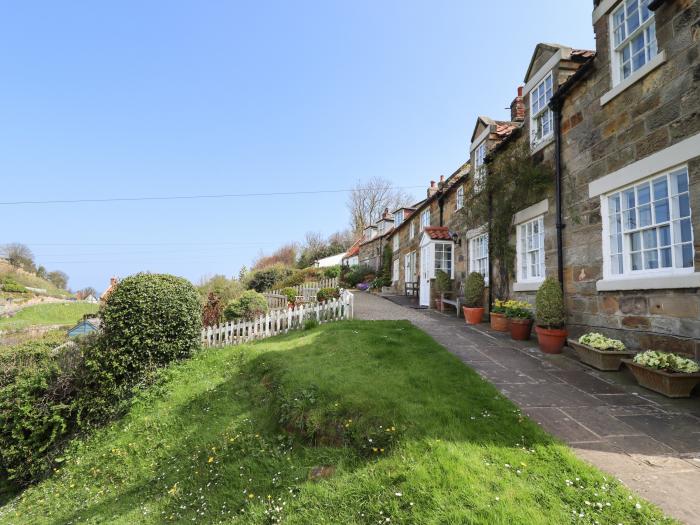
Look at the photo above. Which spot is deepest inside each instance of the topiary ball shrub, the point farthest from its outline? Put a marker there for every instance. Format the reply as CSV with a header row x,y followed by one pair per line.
x,y
474,290
248,306
326,294
549,305
151,319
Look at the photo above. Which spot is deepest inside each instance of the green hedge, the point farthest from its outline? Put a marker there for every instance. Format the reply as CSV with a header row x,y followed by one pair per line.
x,y
248,306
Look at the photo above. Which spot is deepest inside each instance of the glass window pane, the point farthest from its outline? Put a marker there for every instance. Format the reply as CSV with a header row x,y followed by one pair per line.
x,y
660,188
645,216
636,261
686,231
651,260
616,264
661,210
650,239
636,242
665,236
683,205
687,255
643,194
665,261
630,220
679,182
628,199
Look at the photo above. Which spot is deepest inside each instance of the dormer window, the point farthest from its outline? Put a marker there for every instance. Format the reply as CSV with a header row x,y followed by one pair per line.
x,y
541,118
398,218
634,38
479,165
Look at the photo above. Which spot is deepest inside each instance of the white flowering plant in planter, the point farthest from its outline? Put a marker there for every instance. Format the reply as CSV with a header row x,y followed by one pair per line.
x,y
667,361
600,342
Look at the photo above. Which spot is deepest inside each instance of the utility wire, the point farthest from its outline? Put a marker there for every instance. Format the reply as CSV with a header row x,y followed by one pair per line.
x,y
191,197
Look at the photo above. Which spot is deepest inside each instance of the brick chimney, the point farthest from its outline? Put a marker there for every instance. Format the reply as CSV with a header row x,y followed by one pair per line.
x,y
433,189
386,215
517,107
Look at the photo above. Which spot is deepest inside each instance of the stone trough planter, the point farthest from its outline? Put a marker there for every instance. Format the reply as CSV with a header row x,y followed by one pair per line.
x,y
670,384
607,360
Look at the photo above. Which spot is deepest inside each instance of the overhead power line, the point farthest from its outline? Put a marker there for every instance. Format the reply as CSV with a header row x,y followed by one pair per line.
x,y
190,197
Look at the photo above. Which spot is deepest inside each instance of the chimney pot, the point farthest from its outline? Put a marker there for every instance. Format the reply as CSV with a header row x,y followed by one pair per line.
x,y
517,107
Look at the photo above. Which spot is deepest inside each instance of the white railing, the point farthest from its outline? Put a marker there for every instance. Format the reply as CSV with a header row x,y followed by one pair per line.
x,y
278,322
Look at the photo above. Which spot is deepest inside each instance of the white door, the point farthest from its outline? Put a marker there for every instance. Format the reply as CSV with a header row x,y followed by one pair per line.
x,y
426,261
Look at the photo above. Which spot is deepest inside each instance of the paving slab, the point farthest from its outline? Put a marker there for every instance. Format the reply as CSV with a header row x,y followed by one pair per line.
x,y
647,441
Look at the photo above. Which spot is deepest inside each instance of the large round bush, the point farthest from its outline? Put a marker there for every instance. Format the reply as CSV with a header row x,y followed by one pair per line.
x,y
151,319
248,306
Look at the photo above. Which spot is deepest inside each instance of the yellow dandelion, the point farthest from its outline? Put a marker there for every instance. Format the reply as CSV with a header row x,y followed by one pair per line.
x,y
211,459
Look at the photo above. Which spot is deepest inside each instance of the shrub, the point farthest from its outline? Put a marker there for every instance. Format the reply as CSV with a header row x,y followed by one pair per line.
x,y
325,294
667,361
498,306
151,319
291,294
357,274
310,324
295,279
600,342
549,304
212,312
10,285
331,272
248,306
443,283
267,278
474,290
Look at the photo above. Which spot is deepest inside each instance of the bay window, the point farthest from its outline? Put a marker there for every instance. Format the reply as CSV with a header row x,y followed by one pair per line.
x,y
530,250
647,227
541,117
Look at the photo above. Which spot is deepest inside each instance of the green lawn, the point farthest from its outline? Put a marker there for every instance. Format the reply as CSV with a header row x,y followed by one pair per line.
x,y
47,314
230,436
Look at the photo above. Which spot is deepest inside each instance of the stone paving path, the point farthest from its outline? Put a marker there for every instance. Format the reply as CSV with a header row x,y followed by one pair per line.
x,y
649,442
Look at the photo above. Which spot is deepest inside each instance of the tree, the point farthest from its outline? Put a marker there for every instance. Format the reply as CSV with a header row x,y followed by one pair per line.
x,y
368,200
86,292
18,255
41,272
58,279
286,255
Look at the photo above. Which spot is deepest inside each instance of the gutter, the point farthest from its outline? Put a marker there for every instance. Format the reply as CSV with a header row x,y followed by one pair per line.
x,y
556,103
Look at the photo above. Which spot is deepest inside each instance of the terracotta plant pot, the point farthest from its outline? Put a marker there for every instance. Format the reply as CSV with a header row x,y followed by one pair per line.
x,y
670,384
551,340
473,315
520,329
438,304
607,360
500,322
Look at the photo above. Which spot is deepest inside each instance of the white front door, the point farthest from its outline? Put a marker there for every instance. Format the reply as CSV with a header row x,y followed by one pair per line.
x,y
426,262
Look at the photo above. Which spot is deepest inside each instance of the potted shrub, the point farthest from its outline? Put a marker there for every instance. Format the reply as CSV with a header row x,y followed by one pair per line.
x,y
551,317
474,298
519,315
600,352
291,295
443,284
327,294
499,321
667,373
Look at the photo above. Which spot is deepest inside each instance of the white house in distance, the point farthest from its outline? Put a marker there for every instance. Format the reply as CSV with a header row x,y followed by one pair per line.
x,y
333,260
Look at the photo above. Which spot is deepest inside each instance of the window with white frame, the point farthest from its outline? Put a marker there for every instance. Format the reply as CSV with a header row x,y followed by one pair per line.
x,y
479,255
395,271
396,242
479,165
425,218
649,228
530,250
541,117
633,36
443,257
412,230
398,218
459,199
409,267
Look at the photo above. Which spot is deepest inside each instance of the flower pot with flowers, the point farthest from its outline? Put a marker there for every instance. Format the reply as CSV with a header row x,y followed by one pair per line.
x,y
665,372
600,352
497,314
551,317
519,314
474,298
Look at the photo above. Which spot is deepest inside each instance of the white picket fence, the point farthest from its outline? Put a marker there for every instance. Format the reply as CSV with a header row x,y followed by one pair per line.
x,y
278,322
306,292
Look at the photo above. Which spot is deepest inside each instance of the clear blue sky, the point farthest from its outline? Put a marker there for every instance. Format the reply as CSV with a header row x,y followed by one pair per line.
x,y
136,98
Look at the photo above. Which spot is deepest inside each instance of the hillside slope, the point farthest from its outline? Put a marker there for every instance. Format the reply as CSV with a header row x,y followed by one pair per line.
x,y
29,279
395,429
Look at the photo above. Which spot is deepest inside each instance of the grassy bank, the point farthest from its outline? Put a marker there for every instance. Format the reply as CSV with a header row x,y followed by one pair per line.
x,y
405,433
47,314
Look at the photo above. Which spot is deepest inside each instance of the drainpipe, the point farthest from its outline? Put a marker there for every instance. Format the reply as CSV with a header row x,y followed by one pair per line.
x,y
490,213
556,108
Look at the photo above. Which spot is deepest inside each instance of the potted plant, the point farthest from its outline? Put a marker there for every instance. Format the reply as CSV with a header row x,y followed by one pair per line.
x,y
551,317
497,314
443,284
519,315
667,373
291,295
474,298
600,352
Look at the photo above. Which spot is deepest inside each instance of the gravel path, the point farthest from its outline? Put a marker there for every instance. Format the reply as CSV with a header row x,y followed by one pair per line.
x,y
649,442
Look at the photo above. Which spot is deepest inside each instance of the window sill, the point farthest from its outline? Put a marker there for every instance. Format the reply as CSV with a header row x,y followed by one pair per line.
x,y
650,282
534,148
634,77
530,286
